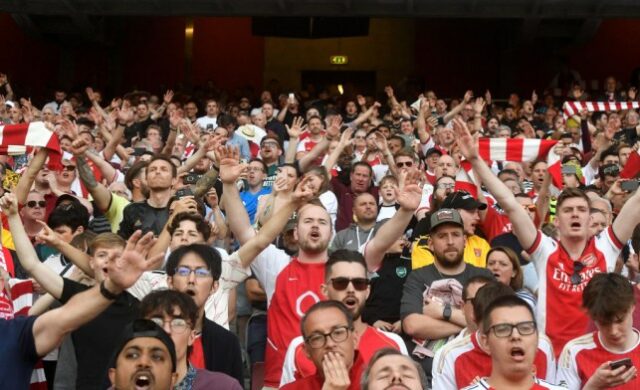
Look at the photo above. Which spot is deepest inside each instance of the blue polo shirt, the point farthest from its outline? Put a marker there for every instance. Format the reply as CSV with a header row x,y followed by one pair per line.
x,y
250,201
17,352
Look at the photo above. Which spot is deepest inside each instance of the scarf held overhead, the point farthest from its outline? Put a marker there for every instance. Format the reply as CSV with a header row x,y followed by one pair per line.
x,y
14,140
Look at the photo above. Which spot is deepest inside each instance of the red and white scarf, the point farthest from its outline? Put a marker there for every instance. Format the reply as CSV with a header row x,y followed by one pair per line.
x,y
14,140
573,108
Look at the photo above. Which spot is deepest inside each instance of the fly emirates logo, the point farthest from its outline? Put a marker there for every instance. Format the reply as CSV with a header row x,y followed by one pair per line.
x,y
562,279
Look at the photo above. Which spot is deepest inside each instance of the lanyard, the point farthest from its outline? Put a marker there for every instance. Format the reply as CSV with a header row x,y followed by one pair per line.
x,y
358,236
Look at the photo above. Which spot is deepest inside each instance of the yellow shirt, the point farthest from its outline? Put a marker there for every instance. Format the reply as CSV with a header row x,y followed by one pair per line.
x,y
475,252
115,212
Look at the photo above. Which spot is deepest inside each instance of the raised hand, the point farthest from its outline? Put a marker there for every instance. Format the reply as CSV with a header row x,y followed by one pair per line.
x,y
125,114
381,142
68,128
345,138
432,121
487,97
168,97
175,118
115,103
280,185
186,204
409,194
466,142
126,269
304,192
230,167
333,130
389,91
47,235
362,102
9,204
296,127
468,96
91,95
478,105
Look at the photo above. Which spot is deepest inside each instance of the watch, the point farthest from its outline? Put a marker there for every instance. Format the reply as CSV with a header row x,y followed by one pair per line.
x,y
106,293
446,312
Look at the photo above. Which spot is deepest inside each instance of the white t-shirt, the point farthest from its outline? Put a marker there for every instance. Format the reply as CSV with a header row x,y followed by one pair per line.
x,y
205,121
267,266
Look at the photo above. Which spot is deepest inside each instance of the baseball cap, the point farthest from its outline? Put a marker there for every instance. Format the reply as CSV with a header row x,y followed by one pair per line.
x,y
446,216
462,200
145,328
433,151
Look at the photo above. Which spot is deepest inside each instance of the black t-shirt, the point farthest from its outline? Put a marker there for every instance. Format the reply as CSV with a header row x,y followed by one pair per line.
x,y
142,216
386,290
95,341
19,353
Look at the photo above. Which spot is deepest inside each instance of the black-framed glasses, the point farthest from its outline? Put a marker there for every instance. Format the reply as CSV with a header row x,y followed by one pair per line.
x,y
177,325
32,204
359,284
401,164
525,328
337,334
199,272
576,278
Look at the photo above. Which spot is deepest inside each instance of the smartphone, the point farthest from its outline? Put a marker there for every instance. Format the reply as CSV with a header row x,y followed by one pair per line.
x,y
291,97
629,185
182,192
191,178
139,151
622,362
569,170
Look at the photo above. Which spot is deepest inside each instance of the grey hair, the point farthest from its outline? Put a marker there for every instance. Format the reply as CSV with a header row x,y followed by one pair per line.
x,y
364,382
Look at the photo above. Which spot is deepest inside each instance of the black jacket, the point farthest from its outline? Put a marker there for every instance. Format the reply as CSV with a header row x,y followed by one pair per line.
x,y
221,350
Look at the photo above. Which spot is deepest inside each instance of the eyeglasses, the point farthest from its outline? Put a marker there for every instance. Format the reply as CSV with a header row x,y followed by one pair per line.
x,y
255,169
69,168
200,273
407,164
319,340
470,300
270,145
32,204
506,330
359,284
576,278
446,186
177,325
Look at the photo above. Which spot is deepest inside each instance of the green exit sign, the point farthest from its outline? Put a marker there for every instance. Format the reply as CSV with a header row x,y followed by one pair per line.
x,y
339,60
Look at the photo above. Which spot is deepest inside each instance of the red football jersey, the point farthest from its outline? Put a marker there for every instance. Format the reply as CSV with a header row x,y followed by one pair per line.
x,y
559,311
297,289
582,356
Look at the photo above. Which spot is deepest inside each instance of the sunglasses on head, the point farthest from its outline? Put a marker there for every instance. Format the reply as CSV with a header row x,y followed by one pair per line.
x,y
359,284
32,203
407,164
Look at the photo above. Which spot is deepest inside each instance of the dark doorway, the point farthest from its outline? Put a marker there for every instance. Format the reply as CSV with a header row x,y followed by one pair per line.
x,y
353,82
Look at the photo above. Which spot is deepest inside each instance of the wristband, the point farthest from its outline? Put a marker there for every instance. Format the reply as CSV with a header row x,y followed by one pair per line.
x,y
446,312
214,167
106,293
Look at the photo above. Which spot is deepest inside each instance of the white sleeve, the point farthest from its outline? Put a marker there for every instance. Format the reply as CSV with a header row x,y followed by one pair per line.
x,y
608,244
426,146
442,372
398,340
301,146
289,366
330,202
148,281
233,273
542,247
544,344
567,374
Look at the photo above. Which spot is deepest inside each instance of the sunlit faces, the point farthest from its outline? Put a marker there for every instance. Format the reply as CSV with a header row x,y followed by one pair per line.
x,y
315,125
623,155
313,229
159,175
511,356
198,287
528,205
537,173
67,174
406,127
597,222
444,186
446,136
289,174
471,219
186,233
360,178
406,164
500,266
352,298
446,166
36,212
388,191
395,145
359,140
572,218
365,208
144,362
101,258
322,322
394,372
256,173
617,333
212,108
447,244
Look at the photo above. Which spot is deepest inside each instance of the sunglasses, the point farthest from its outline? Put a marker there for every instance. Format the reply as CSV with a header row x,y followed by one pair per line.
x,y
359,284
530,207
69,168
576,278
32,204
407,164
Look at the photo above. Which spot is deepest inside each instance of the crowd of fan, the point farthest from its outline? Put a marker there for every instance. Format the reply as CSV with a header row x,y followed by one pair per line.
x,y
346,224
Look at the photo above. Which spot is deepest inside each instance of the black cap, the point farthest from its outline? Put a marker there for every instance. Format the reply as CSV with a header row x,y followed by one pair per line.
x,y
462,200
145,328
431,151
